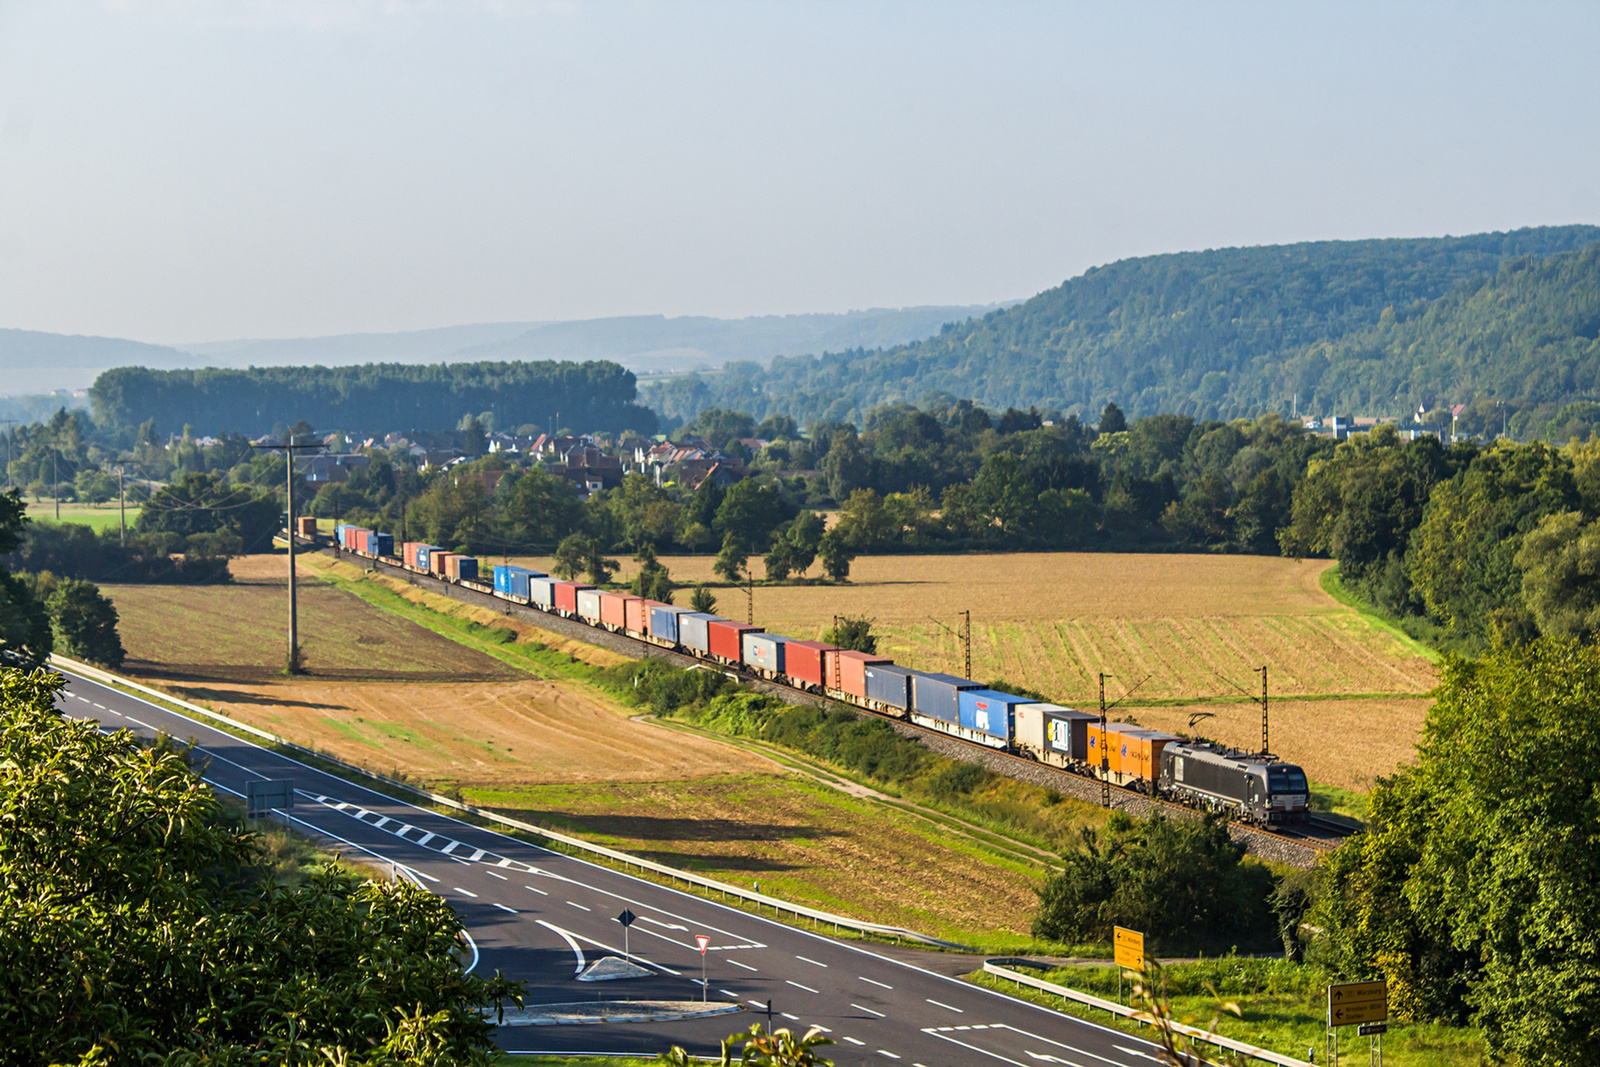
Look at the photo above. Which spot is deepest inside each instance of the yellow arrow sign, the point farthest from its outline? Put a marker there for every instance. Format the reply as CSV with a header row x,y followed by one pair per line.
x,y
1129,948
1354,1003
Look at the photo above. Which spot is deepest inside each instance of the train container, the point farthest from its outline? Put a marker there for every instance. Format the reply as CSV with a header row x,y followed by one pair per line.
x,y
764,652
366,542
1053,734
589,604
384,544
614,609
664,623
845,670
461,568
438,561
989,713
1105,747
542,590
934,695
726,638
511,581
408,552
694,630
566,596
425,556
1141,755
636,618
802,661
306,526
888,685
338,534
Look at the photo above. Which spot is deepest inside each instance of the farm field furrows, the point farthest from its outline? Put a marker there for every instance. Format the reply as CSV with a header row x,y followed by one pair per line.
x,y
802,842
1182,629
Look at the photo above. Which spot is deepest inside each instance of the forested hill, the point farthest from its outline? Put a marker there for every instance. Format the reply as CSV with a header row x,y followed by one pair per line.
x,y
1212,334
371,399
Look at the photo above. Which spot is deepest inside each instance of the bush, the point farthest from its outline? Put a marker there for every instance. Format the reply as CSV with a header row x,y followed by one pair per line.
x,y
84,623
1183,882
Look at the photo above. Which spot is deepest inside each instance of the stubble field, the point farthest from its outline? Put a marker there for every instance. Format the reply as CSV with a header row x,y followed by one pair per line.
x,y
1183,633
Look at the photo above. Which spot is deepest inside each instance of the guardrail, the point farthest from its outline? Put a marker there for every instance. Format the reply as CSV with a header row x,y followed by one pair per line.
x,y
996,967
779,907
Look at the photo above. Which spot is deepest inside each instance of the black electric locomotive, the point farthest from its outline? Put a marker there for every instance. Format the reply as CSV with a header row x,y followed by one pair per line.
x,y
1256,788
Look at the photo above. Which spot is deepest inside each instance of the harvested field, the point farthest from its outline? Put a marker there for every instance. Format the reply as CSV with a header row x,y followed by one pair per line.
x,y
1182,628
387,694
802,842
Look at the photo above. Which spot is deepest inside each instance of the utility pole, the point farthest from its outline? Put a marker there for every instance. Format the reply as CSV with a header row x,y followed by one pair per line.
x,y
292,665
55,479
1105,758
122,507
749,592
966,642
1266,748
8,422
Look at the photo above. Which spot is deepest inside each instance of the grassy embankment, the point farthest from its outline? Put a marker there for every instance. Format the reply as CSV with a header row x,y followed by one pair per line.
x,y
1283,1008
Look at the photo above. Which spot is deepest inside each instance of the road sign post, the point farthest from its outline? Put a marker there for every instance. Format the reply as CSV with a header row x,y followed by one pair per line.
x,y
1128,950
1364,1005
626,919
261,797
704,942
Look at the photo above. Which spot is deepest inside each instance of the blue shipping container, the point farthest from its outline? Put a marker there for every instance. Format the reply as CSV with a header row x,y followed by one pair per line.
x,y
468,569
385,544
692,630
988,712
664,623
763,651
423,552
502,578
934,695
888,684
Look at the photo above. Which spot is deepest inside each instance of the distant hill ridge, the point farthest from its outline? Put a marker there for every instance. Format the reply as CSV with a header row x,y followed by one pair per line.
x,y
1233,332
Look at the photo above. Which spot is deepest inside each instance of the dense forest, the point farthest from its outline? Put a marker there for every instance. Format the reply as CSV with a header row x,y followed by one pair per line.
x,y
1213,334
371,399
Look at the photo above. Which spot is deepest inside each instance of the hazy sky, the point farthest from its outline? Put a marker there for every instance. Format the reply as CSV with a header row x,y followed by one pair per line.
x,y
194,171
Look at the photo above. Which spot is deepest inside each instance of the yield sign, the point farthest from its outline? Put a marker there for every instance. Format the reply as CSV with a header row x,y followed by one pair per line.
x,y
703,941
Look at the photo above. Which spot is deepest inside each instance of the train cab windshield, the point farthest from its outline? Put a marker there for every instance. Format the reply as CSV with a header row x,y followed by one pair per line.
x,y
1286,780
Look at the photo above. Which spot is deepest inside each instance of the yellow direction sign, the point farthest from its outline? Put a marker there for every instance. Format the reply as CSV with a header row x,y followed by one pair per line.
x,y
1129,945
1354,1003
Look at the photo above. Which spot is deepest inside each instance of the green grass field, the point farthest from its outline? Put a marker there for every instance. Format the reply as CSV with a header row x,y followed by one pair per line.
x,y
100,516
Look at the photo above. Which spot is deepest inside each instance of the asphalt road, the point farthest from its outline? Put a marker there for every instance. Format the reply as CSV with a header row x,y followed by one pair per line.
x,y
540,917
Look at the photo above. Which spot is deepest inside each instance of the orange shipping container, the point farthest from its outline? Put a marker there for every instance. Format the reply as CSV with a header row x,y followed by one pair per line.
x,y
1141,752
307,525
846,670
436,561
1107,745
614,608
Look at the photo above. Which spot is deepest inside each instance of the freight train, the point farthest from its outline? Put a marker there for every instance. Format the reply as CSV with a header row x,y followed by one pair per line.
x,y
1256,788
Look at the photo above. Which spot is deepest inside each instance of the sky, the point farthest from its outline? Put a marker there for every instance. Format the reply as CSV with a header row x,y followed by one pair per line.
x,y
189,171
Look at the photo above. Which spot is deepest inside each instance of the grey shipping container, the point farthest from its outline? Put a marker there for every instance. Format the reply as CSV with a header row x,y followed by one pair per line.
x,y
589,604
1053,728
542,591
763,651
934,695
888,684
692,630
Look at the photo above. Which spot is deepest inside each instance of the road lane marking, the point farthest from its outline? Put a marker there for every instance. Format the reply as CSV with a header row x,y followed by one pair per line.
x,y
567,937
465,892
880,985
940,1004
425,838
580,907
869,1011
736,963
1136,1052
492,874
813,963
136,722
797,985
791,1018
541,892
886,1052
727,993
853,1041
658,922
502,907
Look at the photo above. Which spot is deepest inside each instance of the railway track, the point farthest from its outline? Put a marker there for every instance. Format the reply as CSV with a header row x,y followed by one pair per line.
x,y
1317,833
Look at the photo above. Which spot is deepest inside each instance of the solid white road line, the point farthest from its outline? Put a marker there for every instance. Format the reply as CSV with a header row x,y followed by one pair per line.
x,y
880,985
938,1004
567,937
813,963
869,1011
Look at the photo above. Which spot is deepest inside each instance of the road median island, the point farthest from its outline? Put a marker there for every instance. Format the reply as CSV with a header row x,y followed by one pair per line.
x,y
582,1013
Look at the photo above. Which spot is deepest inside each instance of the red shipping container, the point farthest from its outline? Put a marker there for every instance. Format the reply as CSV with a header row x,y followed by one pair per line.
x,y
408,552
614,608
437,561
726,639
636,618
845,669
567,595
802,660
